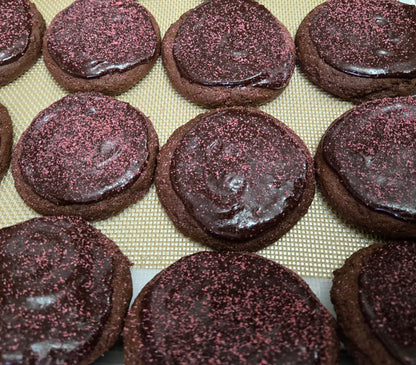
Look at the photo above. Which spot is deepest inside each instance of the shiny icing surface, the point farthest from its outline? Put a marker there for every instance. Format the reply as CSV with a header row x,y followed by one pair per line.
x,y
368,38
92,38
55,291
84,148
15,29
234,43
373,150
238,173
388,298
230,308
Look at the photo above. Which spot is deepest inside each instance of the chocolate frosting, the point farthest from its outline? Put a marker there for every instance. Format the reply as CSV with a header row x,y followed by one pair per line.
x,y
373,150
15,28
388,298
92,38
238,173
55,291
230,308
84,148
368,38
234,43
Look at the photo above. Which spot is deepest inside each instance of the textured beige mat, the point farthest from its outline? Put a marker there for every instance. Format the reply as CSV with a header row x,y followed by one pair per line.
x,y
317,245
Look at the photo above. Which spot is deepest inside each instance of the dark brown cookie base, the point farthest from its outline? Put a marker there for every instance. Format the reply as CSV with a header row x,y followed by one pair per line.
x,y
354,211
12,71
348,87
365,347
209,96
6,140
95,210
109,84
186,223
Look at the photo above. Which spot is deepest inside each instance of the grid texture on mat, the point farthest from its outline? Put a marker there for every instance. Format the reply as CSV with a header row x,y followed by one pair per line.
x,y
317,245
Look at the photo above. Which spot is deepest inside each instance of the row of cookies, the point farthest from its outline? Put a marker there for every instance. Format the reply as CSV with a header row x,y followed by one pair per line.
x,y
66,288
232,178
220,53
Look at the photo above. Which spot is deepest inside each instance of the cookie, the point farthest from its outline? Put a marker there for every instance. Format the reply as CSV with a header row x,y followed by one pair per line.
x,y
228,308
65,290
6,140
21,32
235,178
87,155
374,298
366,166
101,45
228,52
360,50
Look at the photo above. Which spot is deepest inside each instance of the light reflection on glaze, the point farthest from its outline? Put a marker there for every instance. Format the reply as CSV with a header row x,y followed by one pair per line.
x,y
234,43
238,173
367,38
55,291
15,29
92,38
373,150
84,148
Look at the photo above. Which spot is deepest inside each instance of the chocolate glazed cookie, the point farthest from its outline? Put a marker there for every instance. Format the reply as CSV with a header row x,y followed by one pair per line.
x,y
88,155
6,140
374,298
228,308
21,32
235,178
366,166
64,291
101,45
360,50
228,52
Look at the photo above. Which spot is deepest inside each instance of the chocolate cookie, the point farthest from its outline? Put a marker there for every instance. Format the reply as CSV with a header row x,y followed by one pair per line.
x,y
6,140
21,32
228,308
235,178
88,155
360,50
65,289
374,298
101,45
366,166
228,52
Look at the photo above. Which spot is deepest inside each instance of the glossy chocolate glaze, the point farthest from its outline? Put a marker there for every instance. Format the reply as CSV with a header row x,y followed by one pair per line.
x,y
55,291
368,38
373,150
234,43
15,28
238,173
388,298
84,148
230,308
92,38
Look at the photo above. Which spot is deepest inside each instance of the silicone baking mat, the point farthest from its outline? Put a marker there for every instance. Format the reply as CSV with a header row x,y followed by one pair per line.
x,y
317,245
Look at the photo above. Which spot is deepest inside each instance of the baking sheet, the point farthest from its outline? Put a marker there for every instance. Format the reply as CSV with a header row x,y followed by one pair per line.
x,y
317,245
